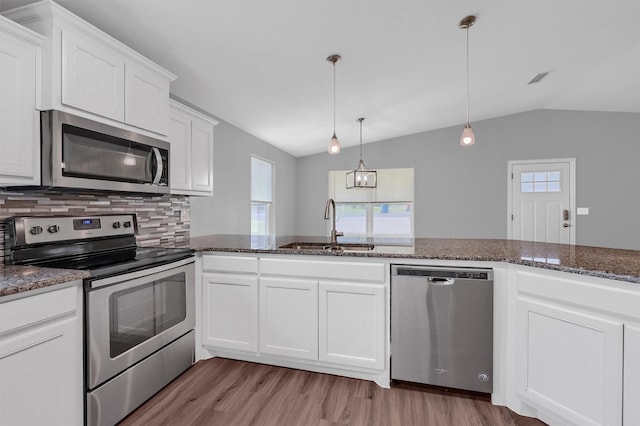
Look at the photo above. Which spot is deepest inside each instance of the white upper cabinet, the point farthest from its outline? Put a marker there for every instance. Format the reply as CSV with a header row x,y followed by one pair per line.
x,y
180,156
202,155
92,76
19,119
191,157
146,100
89,73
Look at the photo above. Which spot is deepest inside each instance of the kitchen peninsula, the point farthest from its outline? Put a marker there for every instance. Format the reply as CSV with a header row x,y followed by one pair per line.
x,y
573,304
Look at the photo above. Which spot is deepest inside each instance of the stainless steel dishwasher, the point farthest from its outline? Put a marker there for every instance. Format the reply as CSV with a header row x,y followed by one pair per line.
x,y
442,326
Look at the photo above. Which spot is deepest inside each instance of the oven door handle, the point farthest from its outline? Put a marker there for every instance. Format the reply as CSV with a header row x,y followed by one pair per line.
x,y
139,274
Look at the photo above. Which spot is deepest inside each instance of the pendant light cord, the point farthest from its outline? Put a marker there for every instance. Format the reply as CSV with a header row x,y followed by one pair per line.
x,y
360,139
468,76
334,98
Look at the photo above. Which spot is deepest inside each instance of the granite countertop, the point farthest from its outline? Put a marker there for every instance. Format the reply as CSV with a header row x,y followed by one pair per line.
x,y
616,264
18,279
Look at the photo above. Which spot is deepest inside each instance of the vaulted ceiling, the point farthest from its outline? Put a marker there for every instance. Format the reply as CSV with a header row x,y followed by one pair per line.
x,y
261,65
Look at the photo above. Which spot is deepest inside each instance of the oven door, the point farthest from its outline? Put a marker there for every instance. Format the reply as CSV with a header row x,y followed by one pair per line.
x,y
131,316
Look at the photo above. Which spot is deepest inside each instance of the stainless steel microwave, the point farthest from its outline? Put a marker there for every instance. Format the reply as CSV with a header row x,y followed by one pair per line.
x,y
85,154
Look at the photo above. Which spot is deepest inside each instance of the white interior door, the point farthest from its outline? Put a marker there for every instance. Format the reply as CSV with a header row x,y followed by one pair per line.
x,y
541,201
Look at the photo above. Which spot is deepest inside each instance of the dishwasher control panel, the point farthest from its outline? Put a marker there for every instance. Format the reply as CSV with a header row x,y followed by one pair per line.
x,y
471,274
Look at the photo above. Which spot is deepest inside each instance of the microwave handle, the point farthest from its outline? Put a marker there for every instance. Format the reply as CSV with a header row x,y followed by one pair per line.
x,y
159,166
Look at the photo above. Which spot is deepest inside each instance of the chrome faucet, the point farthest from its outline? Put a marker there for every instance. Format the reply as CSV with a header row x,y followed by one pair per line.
x,y
334,234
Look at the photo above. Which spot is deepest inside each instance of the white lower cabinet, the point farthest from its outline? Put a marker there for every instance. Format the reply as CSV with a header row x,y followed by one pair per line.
x,y
351,324
570,362
631,402
577,351
296,312
289,317
230,310
41,359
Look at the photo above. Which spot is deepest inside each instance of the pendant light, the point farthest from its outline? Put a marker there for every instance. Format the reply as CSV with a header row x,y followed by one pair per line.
x,y
334,144
467,138
362,177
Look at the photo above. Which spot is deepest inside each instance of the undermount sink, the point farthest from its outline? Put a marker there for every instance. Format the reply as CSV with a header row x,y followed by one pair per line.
x,y
303,246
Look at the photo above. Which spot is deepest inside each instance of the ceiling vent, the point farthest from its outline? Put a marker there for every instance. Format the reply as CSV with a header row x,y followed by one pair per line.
x,y
538,78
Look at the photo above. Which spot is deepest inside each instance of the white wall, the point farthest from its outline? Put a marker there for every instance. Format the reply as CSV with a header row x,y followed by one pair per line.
x,y
228,211
462,192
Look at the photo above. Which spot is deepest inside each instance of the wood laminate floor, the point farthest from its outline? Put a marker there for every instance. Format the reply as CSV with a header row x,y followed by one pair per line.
x,y
225,392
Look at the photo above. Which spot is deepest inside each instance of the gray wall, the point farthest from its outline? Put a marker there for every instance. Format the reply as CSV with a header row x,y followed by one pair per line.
x,y
228,211
462,192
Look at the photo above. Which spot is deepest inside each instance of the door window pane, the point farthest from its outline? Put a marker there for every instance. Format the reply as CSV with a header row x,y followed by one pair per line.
x,y
351,218
540,187
540,176
526,177
553,176
553,187
392,219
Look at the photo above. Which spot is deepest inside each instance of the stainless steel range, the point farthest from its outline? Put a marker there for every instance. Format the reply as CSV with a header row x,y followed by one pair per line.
x,y
139,304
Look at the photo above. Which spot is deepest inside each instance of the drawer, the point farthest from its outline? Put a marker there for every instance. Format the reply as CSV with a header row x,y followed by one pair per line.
x,y
349,271
29,310
237,264
611,296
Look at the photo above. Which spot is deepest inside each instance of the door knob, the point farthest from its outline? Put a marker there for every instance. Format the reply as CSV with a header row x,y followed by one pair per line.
x,y
565,225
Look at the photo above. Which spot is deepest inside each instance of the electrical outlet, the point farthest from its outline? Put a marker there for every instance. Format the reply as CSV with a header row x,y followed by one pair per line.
x,y
185,216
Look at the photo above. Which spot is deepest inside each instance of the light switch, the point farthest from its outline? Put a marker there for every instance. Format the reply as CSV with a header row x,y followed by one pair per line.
x,y
582,211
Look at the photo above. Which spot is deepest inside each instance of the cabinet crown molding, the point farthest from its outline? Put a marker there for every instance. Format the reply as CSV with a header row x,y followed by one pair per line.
x,y
52,15
8,26
180,106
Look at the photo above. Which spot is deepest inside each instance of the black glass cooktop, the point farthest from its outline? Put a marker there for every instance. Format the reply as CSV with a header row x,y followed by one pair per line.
x,y
143,258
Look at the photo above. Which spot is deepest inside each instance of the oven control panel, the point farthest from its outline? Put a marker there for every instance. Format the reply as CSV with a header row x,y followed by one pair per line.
x,y
36,230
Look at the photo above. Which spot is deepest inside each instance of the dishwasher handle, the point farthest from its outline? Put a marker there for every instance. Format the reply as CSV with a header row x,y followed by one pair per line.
x,y
441,281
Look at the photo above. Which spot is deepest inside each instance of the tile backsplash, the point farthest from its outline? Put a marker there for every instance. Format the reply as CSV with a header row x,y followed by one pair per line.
x,y
158,216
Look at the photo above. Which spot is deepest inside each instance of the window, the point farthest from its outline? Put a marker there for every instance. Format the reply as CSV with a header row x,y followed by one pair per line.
x,y
375,219
386,211
262,214
540,181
